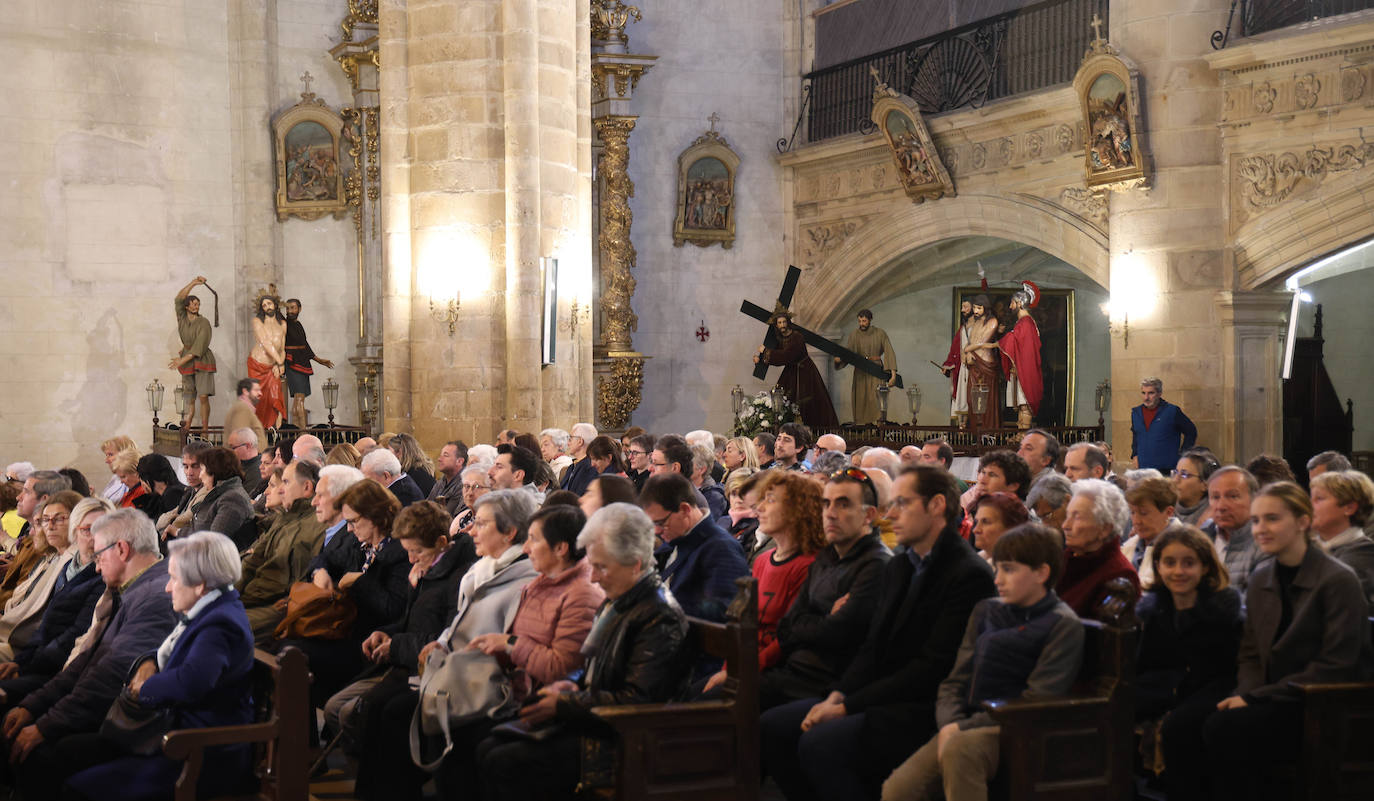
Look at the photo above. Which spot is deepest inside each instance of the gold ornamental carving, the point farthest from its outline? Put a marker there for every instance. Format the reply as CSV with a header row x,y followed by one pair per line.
x,y
617,251
618,396
609,20
364,11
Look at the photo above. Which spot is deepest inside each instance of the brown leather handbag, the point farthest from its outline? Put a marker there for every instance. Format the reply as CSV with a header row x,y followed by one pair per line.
x,y
315,613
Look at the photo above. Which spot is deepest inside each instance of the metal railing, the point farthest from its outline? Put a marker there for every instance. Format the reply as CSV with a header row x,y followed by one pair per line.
x,y
1251,17
1021,51
965,442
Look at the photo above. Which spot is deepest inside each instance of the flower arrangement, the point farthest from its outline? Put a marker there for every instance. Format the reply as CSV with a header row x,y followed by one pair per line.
x,y
759,413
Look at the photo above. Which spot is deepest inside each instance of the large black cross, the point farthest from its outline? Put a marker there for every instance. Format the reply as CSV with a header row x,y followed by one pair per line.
x,y
770,339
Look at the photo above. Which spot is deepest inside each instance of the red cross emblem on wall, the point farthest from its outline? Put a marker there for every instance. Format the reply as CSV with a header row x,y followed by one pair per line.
x,y
703,333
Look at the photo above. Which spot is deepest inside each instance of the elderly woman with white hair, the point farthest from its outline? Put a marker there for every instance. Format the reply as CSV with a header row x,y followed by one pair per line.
x,y
476,483
636,653
1097,515
200,674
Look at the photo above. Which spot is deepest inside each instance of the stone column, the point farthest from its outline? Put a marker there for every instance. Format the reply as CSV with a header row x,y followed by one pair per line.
x,y
1167,242
481,176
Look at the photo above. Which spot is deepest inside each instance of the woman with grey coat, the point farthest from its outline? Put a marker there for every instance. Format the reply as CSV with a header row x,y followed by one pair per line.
x,y
227,507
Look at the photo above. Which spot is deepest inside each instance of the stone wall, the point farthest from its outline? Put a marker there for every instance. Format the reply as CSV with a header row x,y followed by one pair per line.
x,y
140,157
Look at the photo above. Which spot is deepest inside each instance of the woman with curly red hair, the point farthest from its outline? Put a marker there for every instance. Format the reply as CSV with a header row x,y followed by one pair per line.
x,y
790,511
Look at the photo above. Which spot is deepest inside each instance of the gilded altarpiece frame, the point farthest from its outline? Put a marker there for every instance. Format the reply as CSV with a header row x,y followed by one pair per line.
x,y
706,192
306,142
1108,89
898,117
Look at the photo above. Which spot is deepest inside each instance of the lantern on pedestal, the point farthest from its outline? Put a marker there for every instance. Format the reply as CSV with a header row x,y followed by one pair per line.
x,y
913,399
155,392
331,398
882,392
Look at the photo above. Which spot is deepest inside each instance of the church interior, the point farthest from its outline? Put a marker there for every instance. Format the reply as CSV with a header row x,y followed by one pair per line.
x,y
546,217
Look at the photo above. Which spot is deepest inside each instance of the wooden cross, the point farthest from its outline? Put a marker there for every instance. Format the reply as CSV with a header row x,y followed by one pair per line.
x,y
1097,28
714,118
306,78
770,339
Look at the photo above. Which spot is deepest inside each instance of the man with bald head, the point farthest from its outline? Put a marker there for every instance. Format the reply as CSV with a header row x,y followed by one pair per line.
x,y
244,443
365,445
883,459
309,448
830,442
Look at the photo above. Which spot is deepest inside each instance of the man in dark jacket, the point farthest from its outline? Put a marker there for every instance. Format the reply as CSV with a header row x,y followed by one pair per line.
x,y
53,730
383,467
698,561
883,707
826,623
1156,428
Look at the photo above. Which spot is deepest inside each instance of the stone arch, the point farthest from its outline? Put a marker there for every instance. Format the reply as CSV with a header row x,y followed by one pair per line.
x,y
866,256
1270,247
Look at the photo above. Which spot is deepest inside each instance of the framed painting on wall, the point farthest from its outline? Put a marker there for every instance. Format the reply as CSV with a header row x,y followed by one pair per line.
x,y
306,142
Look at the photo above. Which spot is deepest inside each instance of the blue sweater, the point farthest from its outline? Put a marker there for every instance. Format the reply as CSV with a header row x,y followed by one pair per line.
x,y
702,575
1158,446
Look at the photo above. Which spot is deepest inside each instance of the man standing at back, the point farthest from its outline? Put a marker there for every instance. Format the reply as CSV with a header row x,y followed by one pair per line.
x,y
243,412
1157,427
883,707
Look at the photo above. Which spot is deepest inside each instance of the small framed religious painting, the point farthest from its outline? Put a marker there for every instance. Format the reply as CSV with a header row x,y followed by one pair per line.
x,y
306,141
922,173
1109,96
706,192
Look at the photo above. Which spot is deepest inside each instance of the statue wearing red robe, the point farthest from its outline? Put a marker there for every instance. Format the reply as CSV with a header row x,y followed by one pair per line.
x,y
1021,362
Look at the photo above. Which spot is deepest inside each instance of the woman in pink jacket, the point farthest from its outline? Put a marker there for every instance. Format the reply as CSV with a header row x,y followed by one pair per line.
x,y
544,643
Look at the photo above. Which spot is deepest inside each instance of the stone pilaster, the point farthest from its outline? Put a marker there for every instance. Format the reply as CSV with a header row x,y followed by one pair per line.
x,y
1167,242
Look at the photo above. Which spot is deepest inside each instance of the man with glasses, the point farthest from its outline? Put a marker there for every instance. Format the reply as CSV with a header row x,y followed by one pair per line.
x,y
53,730
38,490
698,561
825,625
637,454
281,556
243,414
882,708
244,443
581,472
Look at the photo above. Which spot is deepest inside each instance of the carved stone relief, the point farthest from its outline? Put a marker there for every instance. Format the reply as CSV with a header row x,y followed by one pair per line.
x,y
1264,180
1306,90
1309,91
1352,84
820,240
1086,203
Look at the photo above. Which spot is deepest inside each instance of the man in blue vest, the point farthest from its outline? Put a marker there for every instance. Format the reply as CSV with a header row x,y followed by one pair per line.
x,y
1156,429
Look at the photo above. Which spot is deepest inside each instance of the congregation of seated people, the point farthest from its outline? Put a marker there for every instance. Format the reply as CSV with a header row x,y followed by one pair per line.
x,y
565,567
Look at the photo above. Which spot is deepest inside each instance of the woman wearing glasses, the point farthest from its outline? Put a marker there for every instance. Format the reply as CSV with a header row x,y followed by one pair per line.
x,y
476,483
24,609
1190,482
68,611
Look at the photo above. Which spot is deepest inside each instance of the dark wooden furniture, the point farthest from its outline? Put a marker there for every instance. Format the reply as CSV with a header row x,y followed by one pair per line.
x,y
1314,419
1080,747
692,750
1336,762
281,693
965,442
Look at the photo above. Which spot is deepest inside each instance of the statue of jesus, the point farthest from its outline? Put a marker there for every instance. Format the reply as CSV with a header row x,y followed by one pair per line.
x,y
799,379
980,365
267,359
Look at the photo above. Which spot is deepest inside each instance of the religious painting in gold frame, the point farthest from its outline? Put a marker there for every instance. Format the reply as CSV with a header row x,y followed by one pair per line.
x,y
706,192
1108,90
1054,315
919,168
306,141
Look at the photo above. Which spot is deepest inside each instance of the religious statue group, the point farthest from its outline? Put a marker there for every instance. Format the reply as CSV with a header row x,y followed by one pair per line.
x,y
280,359
983,353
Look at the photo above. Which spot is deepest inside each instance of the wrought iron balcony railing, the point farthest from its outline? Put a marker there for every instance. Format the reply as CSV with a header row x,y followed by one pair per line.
x,y
1251,17
1026,50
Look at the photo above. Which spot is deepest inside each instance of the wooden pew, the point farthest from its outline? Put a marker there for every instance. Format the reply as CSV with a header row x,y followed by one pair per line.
x,y
1080,747
690,750
281,693
1336,761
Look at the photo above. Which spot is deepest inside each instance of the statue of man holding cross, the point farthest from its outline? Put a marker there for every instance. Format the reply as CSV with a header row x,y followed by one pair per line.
x,y
800,379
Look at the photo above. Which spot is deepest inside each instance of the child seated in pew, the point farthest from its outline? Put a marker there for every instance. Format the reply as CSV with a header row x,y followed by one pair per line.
x,y
1024,644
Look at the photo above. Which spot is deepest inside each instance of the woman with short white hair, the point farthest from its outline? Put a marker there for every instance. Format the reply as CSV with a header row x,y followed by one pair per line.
x,y
200,675
1097,514
636,653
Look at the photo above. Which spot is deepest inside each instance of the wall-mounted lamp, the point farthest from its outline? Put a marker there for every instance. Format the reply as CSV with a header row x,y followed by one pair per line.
x,y
446,311
1118,328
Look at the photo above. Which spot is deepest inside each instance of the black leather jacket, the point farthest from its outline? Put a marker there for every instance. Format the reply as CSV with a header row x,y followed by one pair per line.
x,y
640,654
